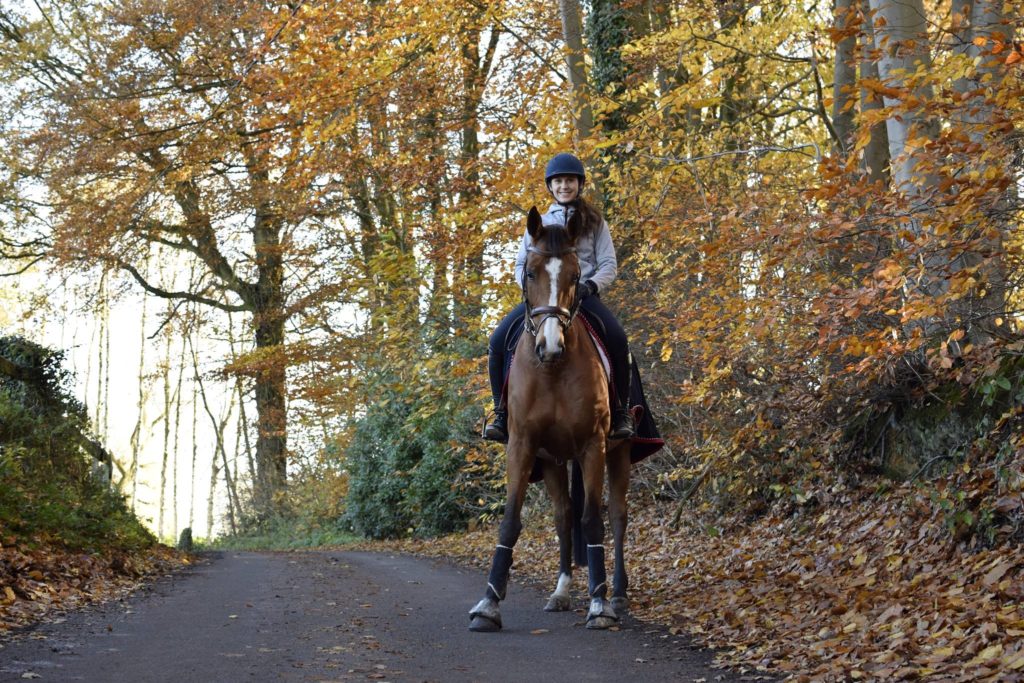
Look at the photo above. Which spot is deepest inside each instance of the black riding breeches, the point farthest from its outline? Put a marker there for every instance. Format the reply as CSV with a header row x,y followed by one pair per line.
x,y
498,350
618,347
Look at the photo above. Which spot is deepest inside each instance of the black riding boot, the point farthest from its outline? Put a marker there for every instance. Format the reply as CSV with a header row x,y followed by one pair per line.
x,y
497,429
622,424
622,419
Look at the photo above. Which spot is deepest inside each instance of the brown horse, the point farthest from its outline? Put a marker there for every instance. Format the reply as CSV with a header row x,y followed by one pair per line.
x,y
558,411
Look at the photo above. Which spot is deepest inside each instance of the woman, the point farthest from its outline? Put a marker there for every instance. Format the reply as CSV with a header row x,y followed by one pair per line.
x,y
565,177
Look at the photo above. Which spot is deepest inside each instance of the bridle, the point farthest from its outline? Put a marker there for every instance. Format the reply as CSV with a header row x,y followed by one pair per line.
x,y
563,315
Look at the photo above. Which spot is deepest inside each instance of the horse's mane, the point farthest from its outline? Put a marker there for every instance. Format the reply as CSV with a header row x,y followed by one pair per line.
x,y
555,239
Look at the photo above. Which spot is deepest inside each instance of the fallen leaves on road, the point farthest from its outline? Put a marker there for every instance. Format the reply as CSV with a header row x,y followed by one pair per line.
x,y
873,587
39,580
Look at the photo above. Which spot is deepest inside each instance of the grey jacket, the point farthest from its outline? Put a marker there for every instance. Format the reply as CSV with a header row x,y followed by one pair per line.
x,y
596,252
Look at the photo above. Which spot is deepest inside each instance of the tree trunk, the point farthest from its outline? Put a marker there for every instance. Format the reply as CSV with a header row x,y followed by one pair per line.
x,y
439,310
195,447
269,320
271,439
901,38
136,438
875,161
243,419
844,76
166,456
984,19
214,471
177,438
572,31
218,431
471,257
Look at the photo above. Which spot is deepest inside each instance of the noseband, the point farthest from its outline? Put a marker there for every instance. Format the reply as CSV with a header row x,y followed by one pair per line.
x,y
564,316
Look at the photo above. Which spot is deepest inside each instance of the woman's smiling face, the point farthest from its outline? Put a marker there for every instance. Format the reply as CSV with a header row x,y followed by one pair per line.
x,y
565,188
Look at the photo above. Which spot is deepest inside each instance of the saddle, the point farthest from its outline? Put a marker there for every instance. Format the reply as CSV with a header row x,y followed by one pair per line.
x,y
647,440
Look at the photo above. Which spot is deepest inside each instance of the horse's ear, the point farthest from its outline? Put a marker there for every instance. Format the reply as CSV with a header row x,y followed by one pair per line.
x,y
533,223
575,225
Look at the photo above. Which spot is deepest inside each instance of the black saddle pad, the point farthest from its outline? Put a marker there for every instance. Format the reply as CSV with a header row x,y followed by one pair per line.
x,y
647,441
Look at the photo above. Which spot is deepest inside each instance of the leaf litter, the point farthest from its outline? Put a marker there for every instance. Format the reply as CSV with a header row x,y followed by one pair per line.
x,y
39,579
873,586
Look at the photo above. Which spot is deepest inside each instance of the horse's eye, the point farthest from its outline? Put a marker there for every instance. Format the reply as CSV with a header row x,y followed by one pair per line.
x,y
530,275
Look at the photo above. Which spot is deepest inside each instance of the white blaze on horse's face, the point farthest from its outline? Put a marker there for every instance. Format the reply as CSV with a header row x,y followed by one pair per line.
x,y
550,335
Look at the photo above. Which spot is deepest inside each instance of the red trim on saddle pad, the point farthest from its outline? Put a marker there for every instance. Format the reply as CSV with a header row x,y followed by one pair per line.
x,y
596,338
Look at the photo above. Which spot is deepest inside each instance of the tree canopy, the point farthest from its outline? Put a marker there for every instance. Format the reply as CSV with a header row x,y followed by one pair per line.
x,y
815,207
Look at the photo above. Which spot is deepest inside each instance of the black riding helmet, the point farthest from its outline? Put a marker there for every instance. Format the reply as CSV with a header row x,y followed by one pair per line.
x,y
564,164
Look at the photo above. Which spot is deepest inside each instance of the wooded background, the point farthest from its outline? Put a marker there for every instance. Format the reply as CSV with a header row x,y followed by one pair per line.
x,y
815,207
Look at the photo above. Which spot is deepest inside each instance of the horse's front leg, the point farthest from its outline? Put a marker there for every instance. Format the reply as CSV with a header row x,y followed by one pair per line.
x,y
485,615
556,481
601,615
618,486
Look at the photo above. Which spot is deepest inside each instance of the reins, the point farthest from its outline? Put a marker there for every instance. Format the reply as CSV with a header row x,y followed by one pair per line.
x,y
563,315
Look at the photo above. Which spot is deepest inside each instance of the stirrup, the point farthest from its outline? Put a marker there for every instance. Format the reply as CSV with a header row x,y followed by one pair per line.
x,y
497,429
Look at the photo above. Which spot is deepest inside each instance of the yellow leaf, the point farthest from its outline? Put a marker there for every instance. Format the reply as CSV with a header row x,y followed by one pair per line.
x,y
9,596
989,653
860,559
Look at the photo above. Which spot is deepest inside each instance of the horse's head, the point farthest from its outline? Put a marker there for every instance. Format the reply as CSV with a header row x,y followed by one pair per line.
x,y
550,281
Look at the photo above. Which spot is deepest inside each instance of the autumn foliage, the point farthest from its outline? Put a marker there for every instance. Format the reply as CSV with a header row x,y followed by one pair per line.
x,y
816,209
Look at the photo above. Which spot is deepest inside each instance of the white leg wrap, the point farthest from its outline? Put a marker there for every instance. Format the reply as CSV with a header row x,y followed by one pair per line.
x,y
562,589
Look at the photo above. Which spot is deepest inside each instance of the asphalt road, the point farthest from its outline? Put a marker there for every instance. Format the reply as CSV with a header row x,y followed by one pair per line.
x,y
338,616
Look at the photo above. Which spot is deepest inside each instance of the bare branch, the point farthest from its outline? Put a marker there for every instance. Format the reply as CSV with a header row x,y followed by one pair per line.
x,y
188,296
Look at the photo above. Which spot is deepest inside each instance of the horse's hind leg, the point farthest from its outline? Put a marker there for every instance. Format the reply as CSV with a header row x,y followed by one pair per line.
x,y
618,486
557,482
485,615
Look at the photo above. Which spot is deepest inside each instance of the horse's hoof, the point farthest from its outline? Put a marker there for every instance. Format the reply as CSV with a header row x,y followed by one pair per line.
x,y
482,624
620,604
601,623
557,603
601,615
485,617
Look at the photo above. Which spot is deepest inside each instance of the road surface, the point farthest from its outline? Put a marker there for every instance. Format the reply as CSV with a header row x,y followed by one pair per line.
x,y
338,616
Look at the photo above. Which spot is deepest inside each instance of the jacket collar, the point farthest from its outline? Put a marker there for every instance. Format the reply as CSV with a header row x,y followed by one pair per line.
x,y
558,215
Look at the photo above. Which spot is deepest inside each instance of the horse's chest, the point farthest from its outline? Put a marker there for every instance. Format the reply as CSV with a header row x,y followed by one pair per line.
x,y
559,435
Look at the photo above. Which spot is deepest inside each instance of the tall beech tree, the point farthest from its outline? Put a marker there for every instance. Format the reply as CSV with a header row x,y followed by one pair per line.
x,y
158,124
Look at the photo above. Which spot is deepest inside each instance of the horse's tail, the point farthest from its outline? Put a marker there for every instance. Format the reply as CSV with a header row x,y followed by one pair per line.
x,y
576,496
